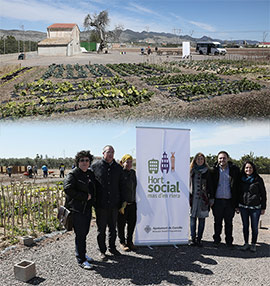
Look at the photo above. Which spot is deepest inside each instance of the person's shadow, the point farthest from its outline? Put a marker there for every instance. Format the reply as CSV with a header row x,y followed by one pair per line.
x,y
156,265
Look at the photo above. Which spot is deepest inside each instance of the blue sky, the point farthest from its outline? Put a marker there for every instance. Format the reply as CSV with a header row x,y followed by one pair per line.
x,y
222,19
65,139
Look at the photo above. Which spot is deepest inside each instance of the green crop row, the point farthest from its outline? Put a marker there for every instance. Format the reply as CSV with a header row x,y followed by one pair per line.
x,y
226,67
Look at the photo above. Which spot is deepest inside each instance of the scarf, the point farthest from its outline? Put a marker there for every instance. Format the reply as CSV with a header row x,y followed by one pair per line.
x,y
248,179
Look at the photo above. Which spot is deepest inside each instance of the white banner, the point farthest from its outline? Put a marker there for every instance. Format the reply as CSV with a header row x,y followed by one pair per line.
x,y
185,49
162,166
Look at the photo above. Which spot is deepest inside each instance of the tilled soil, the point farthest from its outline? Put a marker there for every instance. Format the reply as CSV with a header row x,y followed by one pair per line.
x,y
162,106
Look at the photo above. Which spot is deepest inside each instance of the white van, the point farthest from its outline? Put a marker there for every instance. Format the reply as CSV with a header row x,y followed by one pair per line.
x,y
207,48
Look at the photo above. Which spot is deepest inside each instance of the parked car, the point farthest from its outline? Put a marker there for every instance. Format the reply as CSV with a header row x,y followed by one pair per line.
x,y
207,48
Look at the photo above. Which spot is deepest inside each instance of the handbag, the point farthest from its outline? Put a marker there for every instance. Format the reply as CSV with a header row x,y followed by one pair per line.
x,y
65,218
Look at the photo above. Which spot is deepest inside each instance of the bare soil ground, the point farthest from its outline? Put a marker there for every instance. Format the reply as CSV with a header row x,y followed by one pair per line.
x,y
162,107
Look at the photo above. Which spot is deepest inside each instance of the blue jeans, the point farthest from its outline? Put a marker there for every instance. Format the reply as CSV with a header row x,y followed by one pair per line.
x,y
254,216
200,227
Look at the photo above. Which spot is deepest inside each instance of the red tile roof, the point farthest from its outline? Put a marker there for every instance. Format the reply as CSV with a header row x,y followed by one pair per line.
x,y
62,25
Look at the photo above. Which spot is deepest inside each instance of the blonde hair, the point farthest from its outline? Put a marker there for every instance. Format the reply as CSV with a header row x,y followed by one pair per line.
x,y
125,158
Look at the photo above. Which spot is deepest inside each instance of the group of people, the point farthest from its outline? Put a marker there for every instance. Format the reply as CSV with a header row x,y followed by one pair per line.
x,y
110,188
226,190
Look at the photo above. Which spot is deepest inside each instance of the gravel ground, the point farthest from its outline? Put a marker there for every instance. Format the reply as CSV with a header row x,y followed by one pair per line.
x,y
186,265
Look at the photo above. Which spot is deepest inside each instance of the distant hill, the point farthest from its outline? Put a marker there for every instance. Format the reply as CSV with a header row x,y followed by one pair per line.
x,y
126,36
20,35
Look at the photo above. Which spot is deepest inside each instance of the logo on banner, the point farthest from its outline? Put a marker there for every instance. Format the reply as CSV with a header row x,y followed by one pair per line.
x,y
147,229
165,164
157,187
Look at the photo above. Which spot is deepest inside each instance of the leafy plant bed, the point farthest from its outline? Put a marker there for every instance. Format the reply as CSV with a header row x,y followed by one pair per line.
x,y
141,69
202,85
76,71
225,67
10,76
45,97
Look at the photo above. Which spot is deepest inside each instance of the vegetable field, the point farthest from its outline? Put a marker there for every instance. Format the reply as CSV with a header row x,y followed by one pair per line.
x,y
28,209
139,90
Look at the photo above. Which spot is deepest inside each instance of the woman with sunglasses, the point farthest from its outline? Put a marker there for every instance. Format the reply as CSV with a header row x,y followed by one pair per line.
x,y
79,186
252,202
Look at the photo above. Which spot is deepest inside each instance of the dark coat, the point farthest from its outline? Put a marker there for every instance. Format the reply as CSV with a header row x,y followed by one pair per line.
x,y
234,173
77,186
253,194
204,185
110,184
131,184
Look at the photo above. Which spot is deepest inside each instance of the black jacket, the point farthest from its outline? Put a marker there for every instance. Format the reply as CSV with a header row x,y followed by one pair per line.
x,y
234,173
253,194
131,184
77,186
110,184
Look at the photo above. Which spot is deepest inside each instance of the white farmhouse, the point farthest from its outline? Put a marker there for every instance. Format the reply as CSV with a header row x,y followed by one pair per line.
x,y
62,40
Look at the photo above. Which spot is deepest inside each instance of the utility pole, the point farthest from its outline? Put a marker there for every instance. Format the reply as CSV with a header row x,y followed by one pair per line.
x,y
177,32
22,27
264,36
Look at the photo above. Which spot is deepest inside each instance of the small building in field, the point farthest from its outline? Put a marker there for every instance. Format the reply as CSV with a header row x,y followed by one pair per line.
x,y
264,45
62,40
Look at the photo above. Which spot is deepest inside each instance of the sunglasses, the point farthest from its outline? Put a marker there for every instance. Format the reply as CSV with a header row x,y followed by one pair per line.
x,y
84,160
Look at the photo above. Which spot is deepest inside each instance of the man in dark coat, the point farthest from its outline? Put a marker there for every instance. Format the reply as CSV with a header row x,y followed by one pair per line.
x,y
225,180
109,198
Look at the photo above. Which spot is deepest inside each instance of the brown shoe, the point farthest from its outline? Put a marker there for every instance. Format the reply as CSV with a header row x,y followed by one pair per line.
x,y
131,246
124,247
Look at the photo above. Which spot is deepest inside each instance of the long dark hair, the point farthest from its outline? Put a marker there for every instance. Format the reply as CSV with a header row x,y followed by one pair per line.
x,y
83,154
255,174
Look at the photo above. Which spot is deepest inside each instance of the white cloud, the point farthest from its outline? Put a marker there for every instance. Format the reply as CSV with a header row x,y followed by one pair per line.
x,y
203,26
186,23
48,11
138,8
122,133
228,135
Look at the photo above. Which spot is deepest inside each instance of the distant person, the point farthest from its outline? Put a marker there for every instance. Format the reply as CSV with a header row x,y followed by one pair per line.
x,y
149,50
79,186
142,51
156,49
62,170
199,197
252,202
225,188
45,171
110,196
35,169
127,215
73,166
30,171
9,170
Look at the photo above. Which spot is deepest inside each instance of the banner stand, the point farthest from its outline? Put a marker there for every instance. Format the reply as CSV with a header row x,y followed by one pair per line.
x,y
162,195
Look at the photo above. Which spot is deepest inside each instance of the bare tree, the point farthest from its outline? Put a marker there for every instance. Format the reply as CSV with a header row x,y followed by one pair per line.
x,y
99,23
116,33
